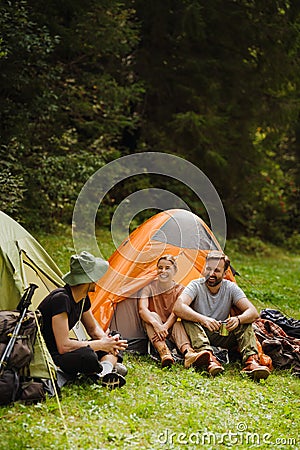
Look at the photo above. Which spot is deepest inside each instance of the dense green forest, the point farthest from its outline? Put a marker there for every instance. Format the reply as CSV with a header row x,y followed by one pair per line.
x,y
215,82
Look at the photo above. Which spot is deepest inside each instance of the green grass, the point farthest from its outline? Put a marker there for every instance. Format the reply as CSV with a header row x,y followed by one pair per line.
x,y
155,407
271,281
60,246
173,408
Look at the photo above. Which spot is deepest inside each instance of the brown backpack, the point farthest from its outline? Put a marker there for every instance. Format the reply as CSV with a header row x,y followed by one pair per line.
x,y
15,381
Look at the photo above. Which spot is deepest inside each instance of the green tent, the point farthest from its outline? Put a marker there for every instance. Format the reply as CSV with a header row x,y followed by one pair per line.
x,y
23,261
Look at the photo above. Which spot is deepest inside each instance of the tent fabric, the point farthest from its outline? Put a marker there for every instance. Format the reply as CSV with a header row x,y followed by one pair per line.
x,y
23,261
194,235
133,265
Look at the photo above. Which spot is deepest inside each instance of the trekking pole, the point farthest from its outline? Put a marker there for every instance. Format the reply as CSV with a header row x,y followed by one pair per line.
x,y
22,307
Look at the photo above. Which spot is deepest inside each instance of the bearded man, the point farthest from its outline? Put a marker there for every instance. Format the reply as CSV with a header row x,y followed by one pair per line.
x,y
205,305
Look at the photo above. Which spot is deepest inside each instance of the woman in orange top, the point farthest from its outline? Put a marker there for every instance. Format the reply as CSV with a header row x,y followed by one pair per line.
x,y
156,311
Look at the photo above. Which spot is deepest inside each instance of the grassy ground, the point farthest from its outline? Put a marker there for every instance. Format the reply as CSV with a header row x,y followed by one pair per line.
x,y
173,408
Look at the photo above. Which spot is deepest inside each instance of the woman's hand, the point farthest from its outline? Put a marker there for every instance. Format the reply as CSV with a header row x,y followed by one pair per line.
x,y
161,331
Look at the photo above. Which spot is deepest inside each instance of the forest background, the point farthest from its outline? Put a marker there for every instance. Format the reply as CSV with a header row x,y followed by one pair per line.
x,y
215,82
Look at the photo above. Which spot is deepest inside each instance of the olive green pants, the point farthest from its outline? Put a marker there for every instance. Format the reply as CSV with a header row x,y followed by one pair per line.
x,y
242,338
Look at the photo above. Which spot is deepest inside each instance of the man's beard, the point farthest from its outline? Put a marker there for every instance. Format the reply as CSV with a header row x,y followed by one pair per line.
x,y
213,283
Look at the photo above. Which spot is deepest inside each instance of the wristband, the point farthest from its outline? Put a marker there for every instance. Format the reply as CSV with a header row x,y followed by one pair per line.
x,y
238,320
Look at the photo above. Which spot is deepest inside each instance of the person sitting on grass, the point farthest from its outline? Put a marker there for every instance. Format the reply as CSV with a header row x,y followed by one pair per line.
x,y
65,307
155,308
205,303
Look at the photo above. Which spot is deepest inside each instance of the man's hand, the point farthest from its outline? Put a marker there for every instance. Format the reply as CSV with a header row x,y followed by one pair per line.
x,y
232,323
210,324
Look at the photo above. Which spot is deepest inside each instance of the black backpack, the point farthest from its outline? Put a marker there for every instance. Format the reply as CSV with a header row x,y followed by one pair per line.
x,y
290,325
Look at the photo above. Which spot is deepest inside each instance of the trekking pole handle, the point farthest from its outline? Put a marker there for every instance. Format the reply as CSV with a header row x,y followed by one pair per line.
x,y
22,307
26,298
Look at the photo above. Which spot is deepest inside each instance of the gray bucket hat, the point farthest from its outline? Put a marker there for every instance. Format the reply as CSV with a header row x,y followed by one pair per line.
x,y
85,268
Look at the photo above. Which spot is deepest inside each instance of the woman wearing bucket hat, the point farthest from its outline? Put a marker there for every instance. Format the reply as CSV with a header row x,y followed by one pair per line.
x,y
66,307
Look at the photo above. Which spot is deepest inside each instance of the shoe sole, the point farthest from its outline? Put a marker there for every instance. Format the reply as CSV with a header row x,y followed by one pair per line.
x,y
257,374
216,371
202,360
113,380
167,363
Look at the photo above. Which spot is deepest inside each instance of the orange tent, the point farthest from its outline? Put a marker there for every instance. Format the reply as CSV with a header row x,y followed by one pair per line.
x,y
133,265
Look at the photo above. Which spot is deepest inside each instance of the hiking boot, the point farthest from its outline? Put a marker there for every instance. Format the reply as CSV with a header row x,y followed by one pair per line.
x,y
255,370
196,359
214,367
165,355
167,360
113,380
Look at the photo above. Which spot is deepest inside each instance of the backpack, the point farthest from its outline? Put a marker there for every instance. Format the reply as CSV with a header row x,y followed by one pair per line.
x,y
15,381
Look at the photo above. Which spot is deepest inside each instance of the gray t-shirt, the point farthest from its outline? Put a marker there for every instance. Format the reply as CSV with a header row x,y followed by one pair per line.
x,y
216,306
